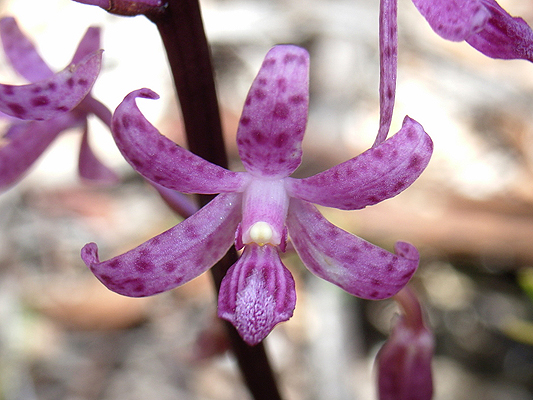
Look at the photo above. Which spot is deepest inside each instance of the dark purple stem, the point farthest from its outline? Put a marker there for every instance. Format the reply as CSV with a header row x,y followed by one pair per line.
x,y
181,28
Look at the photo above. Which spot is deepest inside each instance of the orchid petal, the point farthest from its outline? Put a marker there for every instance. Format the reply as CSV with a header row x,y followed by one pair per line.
x,y
454,20
359,267
503,36
21,52
54,96
126,7
162,161
90,167
173,257
25,142
274,116
375,175
88,44
388,63
257,293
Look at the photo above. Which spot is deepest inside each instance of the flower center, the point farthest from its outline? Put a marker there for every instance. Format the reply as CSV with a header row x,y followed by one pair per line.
x,y
261,232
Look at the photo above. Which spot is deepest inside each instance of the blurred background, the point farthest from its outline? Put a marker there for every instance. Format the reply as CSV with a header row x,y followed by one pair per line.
x,y
63,336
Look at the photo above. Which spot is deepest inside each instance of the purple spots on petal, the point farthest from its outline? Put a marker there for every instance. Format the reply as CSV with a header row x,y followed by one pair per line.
x,y
17,109
414,162
399,186
40,101
178,280
376,282
280,140
260,94
113,264
378,153
367,245
281,111
289,58
296,99
83,82
374,295
70,82
126,121
8,90
170,267
390,266
62,108
52,86
245,121
258,137
144,265
37,89
269,63
282,84
262,81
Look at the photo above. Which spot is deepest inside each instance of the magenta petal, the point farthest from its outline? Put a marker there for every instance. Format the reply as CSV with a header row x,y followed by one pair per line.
x,y
173,257
88,44
274,116
375,175
503,36
21,52
162,161
388,60
54,96
454,20
25,142
90,167
257,293
357,266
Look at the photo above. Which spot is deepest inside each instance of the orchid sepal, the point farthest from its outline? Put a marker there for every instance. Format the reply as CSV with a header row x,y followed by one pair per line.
x,y
371,177
175,256
162,161
355,265
54,96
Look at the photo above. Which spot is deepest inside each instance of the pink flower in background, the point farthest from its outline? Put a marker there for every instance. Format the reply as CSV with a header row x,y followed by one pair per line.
x,y
51,104
261,209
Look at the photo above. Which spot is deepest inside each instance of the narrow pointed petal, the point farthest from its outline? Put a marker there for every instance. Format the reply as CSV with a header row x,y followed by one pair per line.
x,y
375,175
173,257
162,161
24,143
274,116
54,96
90,167
21,52
257,293
359,267
88,44
388,60
454,20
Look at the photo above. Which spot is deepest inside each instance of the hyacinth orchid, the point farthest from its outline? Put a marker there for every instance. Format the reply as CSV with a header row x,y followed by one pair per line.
x,y
404,362
51,104
260,209
482,23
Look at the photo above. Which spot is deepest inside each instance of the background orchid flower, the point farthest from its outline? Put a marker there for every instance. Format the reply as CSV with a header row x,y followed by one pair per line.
x,y
53,103
260,209
404,361
481,23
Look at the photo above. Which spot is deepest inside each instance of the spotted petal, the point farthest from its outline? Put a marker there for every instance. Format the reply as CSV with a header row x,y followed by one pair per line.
x,y
375,175
357,266
454,20
25,142
173,257
162,161
21,52
274,116
257,293
54,96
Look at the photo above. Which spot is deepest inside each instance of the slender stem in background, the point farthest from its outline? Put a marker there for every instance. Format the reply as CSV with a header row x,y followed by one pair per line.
x,y
181,28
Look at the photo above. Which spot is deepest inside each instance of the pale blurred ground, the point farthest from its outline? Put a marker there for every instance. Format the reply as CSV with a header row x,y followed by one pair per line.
x,y
65,337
